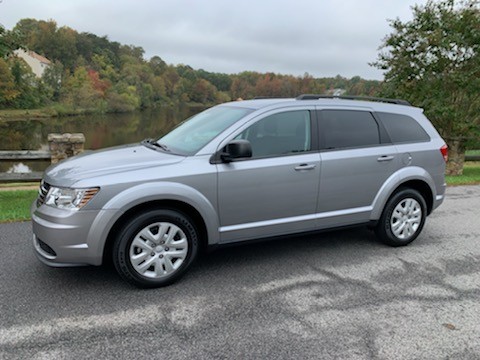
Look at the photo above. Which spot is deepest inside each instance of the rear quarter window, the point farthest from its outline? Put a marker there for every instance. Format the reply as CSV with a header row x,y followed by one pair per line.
x,y
403,128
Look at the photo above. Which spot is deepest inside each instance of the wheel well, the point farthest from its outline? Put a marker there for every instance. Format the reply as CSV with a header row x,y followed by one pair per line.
x,y
176,205
423,188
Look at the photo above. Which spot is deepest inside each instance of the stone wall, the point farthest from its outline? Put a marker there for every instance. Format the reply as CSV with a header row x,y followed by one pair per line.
x,y
62,146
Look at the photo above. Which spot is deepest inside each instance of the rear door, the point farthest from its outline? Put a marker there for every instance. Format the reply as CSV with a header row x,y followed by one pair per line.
x,y
357,158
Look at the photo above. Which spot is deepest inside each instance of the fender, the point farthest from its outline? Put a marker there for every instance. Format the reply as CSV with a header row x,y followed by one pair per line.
x,y
152,191
394,181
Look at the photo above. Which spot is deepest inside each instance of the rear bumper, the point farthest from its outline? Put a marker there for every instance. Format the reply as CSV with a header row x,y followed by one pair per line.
x,y
440,197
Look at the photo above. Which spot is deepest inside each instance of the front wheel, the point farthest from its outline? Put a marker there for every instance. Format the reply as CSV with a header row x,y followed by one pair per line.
x,y
155,248
402,219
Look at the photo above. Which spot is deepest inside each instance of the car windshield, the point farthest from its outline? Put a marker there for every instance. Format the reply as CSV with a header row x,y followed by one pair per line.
x,y
197,131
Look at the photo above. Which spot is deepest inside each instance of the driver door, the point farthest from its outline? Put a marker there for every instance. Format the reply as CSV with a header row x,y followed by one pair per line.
x,y
275,191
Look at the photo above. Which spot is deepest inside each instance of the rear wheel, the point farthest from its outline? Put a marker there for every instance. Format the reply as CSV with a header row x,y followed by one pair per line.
x,y
155,248
403,218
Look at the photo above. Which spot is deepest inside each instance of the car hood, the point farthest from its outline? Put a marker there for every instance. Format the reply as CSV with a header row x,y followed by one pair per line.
x,y
106,162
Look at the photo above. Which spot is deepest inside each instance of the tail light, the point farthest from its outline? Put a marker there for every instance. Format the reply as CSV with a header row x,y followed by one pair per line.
x,y
444,151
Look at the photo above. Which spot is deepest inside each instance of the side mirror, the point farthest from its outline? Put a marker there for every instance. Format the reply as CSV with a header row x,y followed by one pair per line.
x,y
237,149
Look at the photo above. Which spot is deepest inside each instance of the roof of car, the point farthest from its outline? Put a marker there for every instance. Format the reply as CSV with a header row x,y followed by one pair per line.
x,y
379,104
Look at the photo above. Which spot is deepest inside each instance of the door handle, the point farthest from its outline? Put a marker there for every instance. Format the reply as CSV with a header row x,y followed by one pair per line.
x,y
385,158
305,167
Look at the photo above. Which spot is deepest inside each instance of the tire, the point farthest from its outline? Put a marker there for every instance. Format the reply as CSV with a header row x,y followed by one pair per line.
x,y
403,218
155,248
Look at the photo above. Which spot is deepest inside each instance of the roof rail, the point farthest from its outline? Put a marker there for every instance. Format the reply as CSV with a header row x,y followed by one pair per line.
x,y
349,97
267,97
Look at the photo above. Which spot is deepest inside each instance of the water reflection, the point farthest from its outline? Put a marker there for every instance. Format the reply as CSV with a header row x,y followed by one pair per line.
x,y
19,168
100,130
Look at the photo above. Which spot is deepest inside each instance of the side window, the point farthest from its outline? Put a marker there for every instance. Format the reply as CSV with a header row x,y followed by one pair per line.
x,y
279,134
347,129
403,128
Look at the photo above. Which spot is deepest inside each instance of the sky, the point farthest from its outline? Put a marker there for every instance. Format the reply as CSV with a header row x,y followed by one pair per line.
x,y
321,37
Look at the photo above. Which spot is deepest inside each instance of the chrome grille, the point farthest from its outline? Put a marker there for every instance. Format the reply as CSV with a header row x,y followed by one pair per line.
x,y
42,192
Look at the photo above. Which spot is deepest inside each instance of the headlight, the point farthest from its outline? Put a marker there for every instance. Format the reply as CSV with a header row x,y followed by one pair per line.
x,y
72,199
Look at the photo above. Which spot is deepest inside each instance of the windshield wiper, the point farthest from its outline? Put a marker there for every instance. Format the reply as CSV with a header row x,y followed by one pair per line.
x,y
151,143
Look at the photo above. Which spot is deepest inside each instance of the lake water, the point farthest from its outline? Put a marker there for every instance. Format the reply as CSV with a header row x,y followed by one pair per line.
x,y
100,130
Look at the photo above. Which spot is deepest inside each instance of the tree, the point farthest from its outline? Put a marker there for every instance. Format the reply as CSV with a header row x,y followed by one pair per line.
x,y
64,47
433,61
32,93
8,42
203,92
157,65
269,85
26,31
221,81
52,78
92,73
171,79
79,91
8,91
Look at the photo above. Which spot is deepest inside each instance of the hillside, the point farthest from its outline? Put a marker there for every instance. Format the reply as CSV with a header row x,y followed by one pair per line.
x,y
91,73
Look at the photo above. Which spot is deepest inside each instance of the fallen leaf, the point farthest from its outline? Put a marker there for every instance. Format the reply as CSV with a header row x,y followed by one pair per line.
x,y
450,326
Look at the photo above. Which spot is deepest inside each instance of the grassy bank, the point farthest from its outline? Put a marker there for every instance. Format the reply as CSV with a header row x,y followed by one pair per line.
x,y
471,175
15,204
63,110
18,114
44,113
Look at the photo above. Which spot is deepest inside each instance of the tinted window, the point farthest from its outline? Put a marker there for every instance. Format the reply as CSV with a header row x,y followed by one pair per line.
x,y
346,129
403,128
279,134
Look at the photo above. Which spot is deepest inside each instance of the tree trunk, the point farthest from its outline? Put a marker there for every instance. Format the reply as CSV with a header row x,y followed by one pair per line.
x,y
456,158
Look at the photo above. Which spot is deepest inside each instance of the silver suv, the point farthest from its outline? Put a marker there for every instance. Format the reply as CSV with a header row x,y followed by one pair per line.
x,y
241,171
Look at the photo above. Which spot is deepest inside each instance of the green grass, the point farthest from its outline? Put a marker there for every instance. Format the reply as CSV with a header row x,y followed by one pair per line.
x,y
19,114
44,113
15,205
473,152
471,175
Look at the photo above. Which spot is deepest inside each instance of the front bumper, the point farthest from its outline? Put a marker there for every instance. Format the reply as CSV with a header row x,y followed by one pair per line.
x,y
67,238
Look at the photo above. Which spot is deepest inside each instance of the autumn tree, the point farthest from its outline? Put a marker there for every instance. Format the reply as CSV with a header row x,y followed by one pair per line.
x,y
79,91
243,85
32,92
92,73
203,92
105,67
433,61
171,78
8,91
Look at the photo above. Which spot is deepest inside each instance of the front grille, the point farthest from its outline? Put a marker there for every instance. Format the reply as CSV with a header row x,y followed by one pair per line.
x,y
42,192
46,248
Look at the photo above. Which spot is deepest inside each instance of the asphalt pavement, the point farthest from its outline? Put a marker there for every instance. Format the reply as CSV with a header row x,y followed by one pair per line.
x,y
335,295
